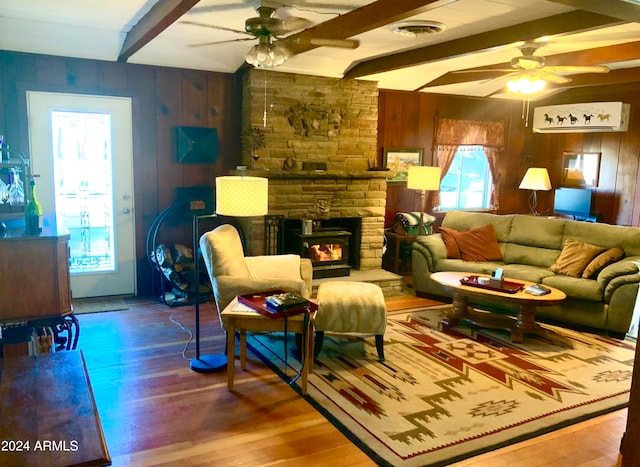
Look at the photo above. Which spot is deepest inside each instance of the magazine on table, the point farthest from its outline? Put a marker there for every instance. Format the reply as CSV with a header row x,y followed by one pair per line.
x,y
258,302
286,301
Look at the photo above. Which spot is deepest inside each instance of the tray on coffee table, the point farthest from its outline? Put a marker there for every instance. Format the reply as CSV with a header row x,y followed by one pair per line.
x,y
504,286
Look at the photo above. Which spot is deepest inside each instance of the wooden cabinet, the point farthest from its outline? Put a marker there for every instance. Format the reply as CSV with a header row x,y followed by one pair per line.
x,y
34,276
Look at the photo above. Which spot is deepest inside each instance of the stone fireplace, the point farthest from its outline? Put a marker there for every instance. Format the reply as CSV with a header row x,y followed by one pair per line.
x,y
315,139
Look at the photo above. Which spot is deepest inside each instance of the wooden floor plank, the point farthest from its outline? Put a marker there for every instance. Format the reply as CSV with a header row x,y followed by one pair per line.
x,y
156,411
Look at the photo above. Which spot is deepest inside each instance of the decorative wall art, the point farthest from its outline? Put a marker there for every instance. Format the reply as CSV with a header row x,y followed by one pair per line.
x,y
398,161
197,145
315,120
580,169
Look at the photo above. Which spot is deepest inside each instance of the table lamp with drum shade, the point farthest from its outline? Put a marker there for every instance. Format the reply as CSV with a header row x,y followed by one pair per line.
x,y
536,178
236,196
423,178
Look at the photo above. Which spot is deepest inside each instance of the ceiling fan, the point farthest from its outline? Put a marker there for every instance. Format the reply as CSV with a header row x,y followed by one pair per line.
x,y
270,31
530,68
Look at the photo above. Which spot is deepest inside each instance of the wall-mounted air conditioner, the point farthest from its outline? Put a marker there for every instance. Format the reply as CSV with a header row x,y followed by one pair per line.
x,y
581,118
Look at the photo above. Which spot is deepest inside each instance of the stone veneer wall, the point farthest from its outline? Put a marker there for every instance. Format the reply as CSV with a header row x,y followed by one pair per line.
x,y
321,103
334,122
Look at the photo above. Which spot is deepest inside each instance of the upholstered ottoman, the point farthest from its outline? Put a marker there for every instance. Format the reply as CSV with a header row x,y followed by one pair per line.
x,y
346,307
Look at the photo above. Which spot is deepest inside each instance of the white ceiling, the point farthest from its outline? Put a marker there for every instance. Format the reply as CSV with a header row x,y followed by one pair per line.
x,y
97,29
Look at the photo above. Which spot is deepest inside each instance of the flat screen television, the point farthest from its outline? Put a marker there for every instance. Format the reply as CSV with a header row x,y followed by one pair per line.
x,y
574,202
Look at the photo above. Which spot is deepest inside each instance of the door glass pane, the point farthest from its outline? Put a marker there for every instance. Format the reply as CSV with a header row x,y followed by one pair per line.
x,y
83,181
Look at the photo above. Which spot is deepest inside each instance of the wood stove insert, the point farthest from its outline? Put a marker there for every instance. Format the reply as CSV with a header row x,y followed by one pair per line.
x,y
328,250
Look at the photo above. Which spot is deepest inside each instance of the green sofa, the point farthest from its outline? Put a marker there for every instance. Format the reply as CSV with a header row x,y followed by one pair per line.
x,y
530,245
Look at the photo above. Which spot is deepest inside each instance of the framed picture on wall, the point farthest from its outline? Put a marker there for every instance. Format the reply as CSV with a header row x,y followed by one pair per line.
x,y
580,170
398,161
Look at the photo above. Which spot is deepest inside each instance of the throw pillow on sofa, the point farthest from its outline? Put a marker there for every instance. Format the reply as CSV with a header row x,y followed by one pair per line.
x,y
604,259
575,257
472,245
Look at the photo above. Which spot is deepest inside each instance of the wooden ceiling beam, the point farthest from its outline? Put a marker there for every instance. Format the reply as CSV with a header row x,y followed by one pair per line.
x,y
160,17
620,9
597,56
360,20
565,23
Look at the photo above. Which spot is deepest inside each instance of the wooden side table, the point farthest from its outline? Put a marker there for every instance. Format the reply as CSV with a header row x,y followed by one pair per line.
x,y
392,261
237,316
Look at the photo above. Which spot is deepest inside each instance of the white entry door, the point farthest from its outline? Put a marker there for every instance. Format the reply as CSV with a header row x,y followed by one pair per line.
x,y
81,148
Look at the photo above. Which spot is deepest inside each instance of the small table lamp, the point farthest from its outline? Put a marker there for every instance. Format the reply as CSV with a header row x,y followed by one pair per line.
x,y
535,179
423,178
236,196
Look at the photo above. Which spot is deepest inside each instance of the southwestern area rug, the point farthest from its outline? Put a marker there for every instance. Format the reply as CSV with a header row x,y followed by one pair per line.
x,y
441,397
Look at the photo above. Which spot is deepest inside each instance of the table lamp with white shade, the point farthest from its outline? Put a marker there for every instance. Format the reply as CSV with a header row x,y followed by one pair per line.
x,y
423,178
536,178
236,196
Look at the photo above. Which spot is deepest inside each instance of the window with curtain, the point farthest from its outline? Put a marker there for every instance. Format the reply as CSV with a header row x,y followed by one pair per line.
x,y
468,153
468,183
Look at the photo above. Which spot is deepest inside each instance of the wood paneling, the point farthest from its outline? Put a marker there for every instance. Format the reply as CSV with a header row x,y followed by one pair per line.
x,y
407,119
163,99
617,198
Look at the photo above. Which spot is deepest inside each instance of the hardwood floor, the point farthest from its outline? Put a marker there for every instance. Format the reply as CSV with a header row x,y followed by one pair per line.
x,y
156,411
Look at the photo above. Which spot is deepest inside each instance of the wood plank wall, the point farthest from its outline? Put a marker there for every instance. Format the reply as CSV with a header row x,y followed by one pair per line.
x,y
407,119
162,100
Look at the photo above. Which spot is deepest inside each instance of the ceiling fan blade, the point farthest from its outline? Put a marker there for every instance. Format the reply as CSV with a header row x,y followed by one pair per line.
x,y
216,8
503,77
484,70
341,43
210,26
577,69
204,44
552,78
290,25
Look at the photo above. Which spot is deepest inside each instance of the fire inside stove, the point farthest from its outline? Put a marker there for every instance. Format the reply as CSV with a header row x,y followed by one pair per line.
x,y
326,252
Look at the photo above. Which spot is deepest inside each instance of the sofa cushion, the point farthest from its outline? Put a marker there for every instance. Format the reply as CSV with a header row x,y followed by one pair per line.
x,y
574,287
464,220
472,245
529,255
525,272
450,243
604,259
537,231
481,267
575,257
605,235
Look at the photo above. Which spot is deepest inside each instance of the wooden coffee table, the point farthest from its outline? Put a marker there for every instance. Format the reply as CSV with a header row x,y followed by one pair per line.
x,y
524,323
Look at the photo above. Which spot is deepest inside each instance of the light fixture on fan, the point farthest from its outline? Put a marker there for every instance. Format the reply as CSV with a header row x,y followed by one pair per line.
x,y
526,85
267,53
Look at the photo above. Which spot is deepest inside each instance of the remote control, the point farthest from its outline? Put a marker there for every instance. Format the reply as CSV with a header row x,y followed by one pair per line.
x,y
537,289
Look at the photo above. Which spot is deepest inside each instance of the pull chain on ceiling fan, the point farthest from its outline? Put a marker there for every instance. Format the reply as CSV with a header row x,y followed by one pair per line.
x,y
270,51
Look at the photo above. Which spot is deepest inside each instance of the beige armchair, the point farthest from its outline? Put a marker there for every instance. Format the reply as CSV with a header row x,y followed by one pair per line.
x,y
232,274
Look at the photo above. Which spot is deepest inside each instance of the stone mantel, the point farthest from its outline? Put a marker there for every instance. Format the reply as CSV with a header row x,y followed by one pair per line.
x,y
313,174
